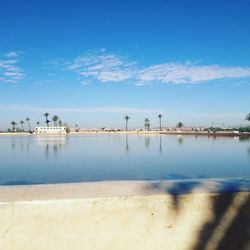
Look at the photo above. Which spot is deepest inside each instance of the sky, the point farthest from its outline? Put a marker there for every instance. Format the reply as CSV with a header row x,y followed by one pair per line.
x,y
91,62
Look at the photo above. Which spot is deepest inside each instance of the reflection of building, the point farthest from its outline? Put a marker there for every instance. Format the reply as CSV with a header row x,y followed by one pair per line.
x,y
57,140
51,144
50,130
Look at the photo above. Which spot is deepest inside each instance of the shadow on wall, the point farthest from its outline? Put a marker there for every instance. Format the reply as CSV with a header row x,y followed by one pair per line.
x,y
221,220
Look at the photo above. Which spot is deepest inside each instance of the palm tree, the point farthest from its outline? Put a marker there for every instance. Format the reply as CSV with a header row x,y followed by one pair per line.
x,y
148,126
47,121
126,118
37,123
22,122
13,123
28,121
160,116
248,117
179,125
60,123
76,127
147,123
55,118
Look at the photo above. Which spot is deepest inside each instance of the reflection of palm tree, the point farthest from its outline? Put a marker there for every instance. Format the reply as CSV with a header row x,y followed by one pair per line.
x,y
13,142
127,146
160,116
147,141
55,149
180,140
47,151
13,123
127,118
22,122
160,148
244,139
28,121
47,121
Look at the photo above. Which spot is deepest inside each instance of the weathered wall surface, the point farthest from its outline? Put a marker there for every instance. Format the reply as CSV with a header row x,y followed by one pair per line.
x,y
197,220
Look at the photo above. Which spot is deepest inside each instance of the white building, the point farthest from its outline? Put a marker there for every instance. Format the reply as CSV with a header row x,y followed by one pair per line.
x,y
50,130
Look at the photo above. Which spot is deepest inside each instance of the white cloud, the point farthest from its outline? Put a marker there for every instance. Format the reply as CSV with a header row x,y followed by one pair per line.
x,y
188,73
10,72
103,67
11,54
112,68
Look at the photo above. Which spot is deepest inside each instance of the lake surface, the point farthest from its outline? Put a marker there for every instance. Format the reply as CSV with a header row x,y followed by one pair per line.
x,y
33,160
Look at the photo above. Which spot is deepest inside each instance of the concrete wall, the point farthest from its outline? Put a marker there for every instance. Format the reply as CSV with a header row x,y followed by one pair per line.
x,y
123,215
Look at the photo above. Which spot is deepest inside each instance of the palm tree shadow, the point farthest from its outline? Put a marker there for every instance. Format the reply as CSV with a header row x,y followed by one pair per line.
x,y
229,226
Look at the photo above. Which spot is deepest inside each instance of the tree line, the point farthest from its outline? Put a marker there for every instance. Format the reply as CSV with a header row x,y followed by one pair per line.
x,y
147,123
58,122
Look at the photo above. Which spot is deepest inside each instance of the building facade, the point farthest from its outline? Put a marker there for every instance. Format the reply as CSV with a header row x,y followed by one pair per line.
x,y
50,130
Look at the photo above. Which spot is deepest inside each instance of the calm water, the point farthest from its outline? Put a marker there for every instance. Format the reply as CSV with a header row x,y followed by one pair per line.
x,y
29,160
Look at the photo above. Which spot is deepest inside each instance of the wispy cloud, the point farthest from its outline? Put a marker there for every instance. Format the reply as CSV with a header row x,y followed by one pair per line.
x,y
10,72
105,67
119,110
188,73
11,54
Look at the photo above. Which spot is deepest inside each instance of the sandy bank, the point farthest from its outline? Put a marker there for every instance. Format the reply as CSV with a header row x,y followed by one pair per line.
x,y
198,133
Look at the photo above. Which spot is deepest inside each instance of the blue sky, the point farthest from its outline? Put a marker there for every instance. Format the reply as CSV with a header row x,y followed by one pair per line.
x,y
92,62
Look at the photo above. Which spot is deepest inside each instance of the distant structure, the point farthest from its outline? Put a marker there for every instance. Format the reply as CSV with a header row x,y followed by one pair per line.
x,y
50,130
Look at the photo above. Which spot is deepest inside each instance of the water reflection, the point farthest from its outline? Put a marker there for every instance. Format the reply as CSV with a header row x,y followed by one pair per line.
x,y
121,157
13,143
147,141
127,146
244,139
16,144
160,146
51,145
179,139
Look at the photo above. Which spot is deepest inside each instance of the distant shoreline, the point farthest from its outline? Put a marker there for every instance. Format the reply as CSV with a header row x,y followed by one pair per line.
x,y
152,132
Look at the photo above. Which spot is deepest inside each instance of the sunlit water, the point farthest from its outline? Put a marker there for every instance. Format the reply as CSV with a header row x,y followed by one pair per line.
x,y
30,160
